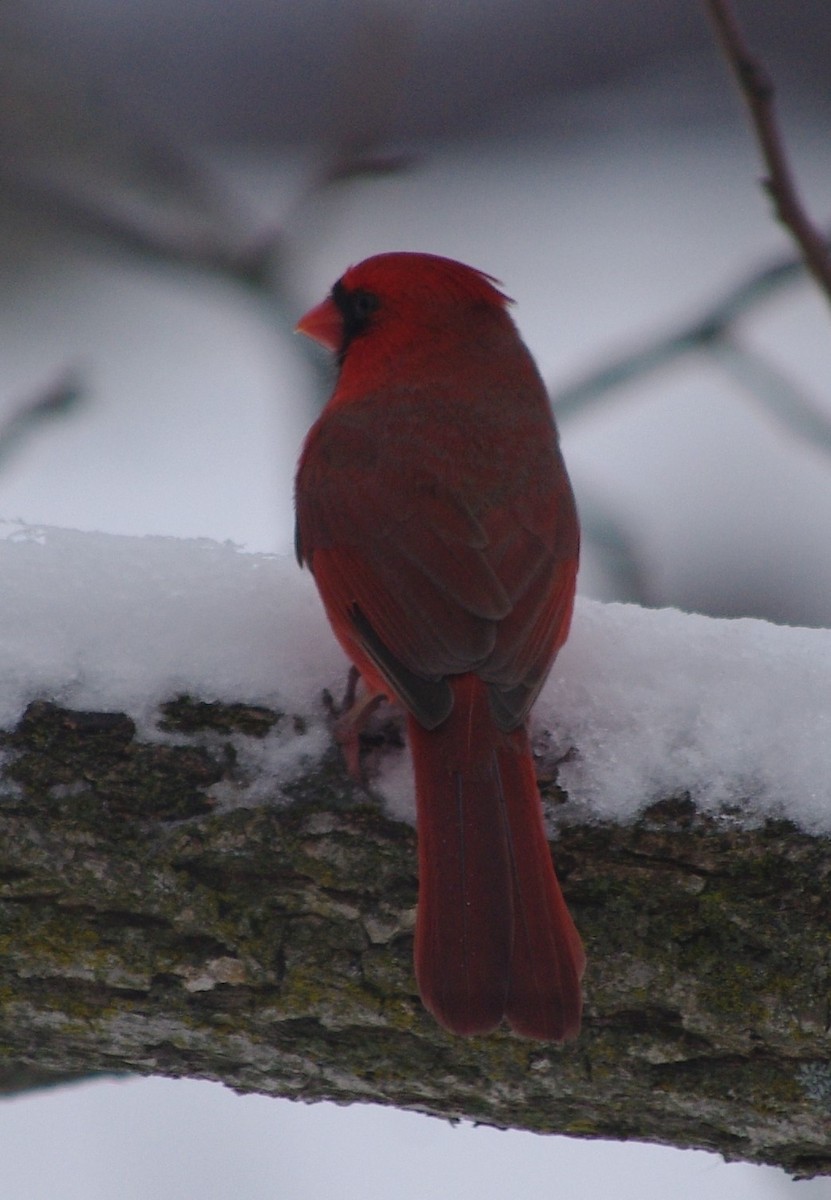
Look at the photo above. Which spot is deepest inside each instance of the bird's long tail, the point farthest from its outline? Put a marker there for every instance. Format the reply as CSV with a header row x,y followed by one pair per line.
x,y
494,937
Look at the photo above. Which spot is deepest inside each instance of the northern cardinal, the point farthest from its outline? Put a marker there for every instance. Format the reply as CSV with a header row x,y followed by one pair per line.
x,y
436,515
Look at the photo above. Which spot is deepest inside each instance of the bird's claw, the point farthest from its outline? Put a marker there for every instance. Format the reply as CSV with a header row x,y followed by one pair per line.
x,y
349,718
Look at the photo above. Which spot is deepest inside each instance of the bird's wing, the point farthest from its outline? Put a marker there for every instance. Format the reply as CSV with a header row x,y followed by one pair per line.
x,y
418,580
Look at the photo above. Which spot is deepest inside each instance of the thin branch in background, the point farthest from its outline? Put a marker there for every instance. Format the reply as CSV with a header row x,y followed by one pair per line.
x,y
100,164
596,385
58,400
713,333
757,88
147,194
369,87
623,558
779,395
134,232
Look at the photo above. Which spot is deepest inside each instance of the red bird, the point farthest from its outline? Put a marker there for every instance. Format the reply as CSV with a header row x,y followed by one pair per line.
x,y
436,515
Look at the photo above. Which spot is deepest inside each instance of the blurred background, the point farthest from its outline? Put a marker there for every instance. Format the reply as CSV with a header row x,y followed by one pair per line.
x,y
179,182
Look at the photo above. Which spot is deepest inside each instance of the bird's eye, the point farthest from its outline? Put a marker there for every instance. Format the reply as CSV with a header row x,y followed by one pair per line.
x,y
362,305
356,307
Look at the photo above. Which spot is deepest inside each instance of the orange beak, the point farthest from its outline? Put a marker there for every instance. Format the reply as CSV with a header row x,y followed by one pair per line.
x,y
323,324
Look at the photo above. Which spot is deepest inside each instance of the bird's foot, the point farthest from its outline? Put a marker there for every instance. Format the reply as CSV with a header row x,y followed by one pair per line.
x,y
349,718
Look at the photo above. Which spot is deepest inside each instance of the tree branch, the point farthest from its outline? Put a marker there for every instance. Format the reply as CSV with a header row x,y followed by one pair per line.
x,y
715,333
757,88
154,919
59,399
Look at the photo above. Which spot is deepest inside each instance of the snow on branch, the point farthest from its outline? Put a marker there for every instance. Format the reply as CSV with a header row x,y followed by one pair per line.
x,y
189,884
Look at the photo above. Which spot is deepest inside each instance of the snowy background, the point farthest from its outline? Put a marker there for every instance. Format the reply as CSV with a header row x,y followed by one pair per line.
x,y
616,207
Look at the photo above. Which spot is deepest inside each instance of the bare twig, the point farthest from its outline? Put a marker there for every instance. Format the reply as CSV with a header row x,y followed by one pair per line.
x,y
624,560
782,399
59,399
134,231
698,334
712,333
757,88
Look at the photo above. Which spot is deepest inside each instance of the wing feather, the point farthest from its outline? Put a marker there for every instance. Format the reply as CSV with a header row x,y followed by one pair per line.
x,y
432,572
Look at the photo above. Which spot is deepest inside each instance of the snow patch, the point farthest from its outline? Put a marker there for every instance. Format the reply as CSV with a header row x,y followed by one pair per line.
x,y
659,702
650,703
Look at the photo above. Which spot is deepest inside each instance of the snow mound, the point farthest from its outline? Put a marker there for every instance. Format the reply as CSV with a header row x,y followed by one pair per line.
x,y
650,703
659,702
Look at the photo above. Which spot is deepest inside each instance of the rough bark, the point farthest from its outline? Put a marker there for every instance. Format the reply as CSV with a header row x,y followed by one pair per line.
x,y
154,919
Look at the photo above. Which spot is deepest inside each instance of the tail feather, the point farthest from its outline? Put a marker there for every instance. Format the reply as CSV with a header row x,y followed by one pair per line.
x,y
494,938
547,963
463,929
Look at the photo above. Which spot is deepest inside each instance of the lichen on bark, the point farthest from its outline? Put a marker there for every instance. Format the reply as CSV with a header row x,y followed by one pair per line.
x,y
145,927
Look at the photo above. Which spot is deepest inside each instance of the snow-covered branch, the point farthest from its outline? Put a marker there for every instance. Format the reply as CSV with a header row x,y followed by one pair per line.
x,y
193,886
